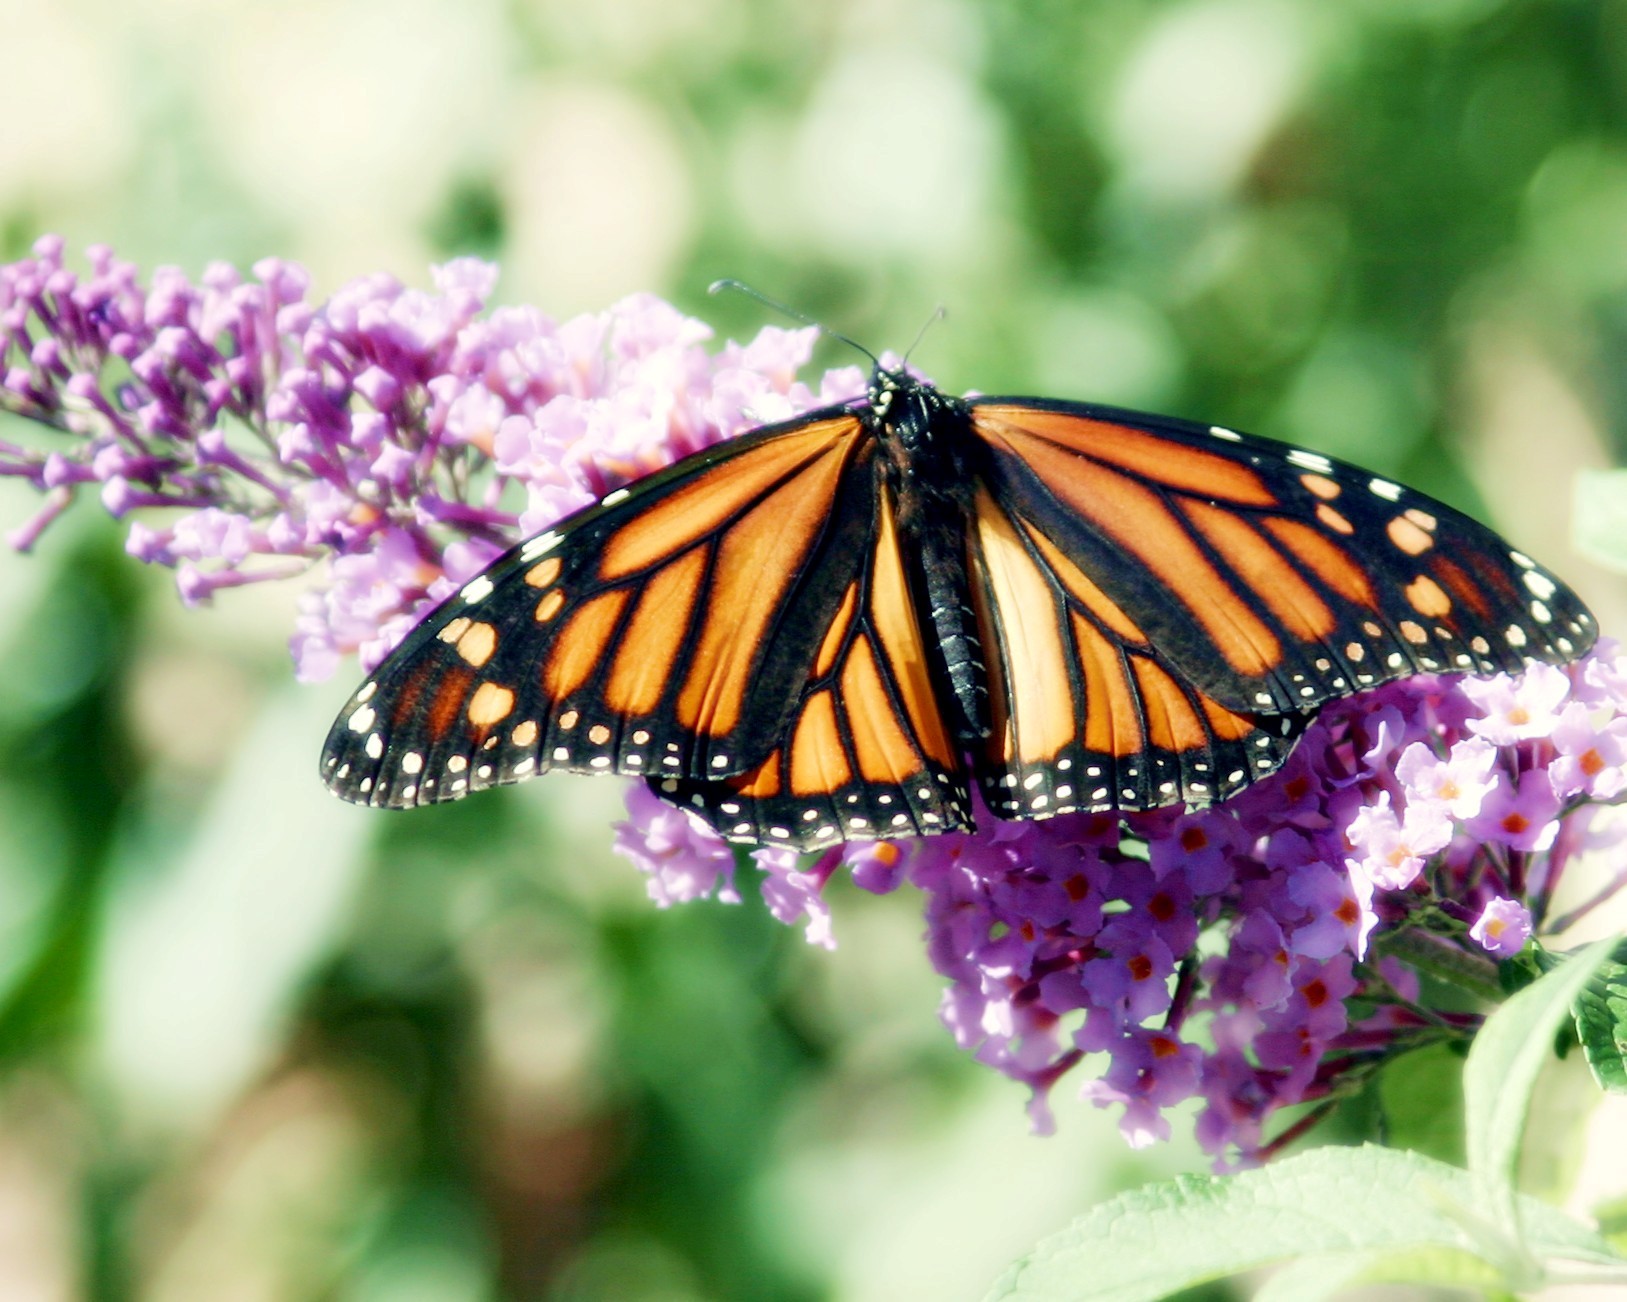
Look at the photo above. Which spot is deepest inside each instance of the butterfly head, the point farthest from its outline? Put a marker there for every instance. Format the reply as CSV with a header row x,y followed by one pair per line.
x,y
898,398
883,390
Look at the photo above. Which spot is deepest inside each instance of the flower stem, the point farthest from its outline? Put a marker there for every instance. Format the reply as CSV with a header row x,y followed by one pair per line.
x,y
1445,961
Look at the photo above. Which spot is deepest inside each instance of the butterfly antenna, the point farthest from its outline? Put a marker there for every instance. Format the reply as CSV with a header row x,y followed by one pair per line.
x,y
931,321
719,286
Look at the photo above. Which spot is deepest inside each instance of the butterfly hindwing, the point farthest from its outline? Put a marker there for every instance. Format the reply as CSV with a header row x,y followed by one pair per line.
x,y
866,751
1271,578
647,634
1087,712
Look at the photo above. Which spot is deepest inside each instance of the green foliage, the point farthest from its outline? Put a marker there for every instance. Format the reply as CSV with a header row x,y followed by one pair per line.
x,y
1342,1216
1601,516
1601,1021
1422,1103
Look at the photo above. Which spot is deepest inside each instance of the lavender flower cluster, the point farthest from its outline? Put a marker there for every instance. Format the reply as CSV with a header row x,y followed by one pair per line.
x,y
1226,955
403,437
390,441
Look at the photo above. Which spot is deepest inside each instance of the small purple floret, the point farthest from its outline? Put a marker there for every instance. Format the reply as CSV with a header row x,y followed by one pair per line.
x,y
683,859
1503,927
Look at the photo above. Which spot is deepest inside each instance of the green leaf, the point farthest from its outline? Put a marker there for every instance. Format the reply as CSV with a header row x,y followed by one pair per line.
x,y
1611,1216
1507,1054
1601,1022
1374,1205
1421,1093
1530,964
1600,506
1313,1278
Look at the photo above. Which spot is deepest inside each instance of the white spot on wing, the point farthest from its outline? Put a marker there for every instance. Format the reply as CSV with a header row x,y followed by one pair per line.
x,y
476,590
362,720
1385,489
541,545
1310,461
1221,432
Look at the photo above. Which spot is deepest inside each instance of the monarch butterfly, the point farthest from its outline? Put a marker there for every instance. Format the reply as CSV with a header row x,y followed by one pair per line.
x,y
828,628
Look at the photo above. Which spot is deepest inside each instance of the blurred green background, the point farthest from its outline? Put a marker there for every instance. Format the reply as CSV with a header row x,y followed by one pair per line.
x,y
257,1045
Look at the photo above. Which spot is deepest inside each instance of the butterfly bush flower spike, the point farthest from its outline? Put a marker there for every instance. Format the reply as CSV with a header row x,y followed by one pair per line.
x,y
1062,929
389,442
385,445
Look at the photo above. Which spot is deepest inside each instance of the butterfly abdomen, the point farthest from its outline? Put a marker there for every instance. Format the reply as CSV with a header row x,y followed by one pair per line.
x,y
930,464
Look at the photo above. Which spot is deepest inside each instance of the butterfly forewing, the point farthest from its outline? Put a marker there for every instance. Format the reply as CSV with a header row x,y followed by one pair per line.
x,y
646,635
1271,578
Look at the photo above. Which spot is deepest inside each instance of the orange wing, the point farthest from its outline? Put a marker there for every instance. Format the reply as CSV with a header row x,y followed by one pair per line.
x,y
1162,604
866,751
1087,712
649,634
1274,578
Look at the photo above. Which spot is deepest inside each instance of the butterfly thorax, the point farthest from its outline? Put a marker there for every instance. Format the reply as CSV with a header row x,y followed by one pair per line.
x,y
926,442
927,446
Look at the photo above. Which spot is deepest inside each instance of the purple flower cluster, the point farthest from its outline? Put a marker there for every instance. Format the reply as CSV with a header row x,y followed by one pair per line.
x,y
402,437
1227,956
391,441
